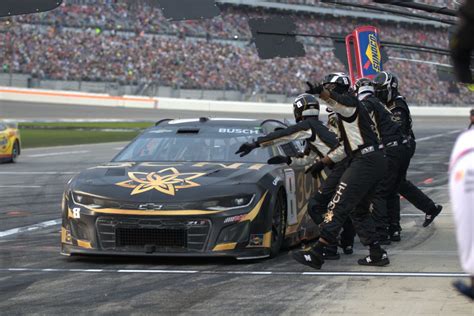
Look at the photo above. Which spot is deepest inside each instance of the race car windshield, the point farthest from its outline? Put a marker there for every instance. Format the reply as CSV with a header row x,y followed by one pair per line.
x,y
162,145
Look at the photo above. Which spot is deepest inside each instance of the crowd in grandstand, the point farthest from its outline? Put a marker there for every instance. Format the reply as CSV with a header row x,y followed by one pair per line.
x,y
233,23
111,42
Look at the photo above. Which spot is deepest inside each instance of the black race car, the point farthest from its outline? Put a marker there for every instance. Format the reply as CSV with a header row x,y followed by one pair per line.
x,y
178,189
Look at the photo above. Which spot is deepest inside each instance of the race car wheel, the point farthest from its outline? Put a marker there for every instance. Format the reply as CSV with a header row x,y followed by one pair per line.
x,y
278,224
15,151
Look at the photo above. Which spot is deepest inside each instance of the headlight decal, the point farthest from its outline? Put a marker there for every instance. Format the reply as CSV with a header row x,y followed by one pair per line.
x,y
254,212
233,203
92,201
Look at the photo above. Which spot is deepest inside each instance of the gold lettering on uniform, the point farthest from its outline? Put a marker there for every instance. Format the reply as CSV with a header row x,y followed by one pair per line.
x,y
336,199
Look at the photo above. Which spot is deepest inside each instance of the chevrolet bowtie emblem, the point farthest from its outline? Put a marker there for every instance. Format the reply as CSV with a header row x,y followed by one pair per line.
x,y
150,206
166,181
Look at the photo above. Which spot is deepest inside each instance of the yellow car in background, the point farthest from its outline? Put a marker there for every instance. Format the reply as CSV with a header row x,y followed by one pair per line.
x,y
10,143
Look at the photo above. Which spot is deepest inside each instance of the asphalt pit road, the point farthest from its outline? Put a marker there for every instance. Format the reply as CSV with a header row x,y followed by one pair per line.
x,y
94,260
18,213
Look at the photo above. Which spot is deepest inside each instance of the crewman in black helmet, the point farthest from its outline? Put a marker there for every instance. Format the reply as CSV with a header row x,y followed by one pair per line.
x,y
386,90
396,153
366,163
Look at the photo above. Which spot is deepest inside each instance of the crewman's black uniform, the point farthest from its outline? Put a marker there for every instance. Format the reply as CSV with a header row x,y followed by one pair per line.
x,y
366,163
402,116
397,156
318,204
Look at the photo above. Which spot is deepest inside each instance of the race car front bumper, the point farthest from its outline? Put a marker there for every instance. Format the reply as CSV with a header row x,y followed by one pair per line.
x,y
239,254
218,235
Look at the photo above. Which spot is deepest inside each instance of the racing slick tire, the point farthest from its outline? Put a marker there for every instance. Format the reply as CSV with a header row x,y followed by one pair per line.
x,y
15,152
278,224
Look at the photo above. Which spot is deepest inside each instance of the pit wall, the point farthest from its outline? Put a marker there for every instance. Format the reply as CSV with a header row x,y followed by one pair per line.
x,y
95,99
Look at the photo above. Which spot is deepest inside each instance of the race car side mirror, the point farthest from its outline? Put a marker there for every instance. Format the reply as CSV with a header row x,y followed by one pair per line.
x,y
279,160
17,7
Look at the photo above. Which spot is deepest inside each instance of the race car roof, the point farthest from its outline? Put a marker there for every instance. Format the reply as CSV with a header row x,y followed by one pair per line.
x,y
203,122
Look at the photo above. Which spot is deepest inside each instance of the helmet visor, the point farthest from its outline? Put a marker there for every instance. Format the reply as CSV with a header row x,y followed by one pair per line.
x,y
382,94
330,86
298,114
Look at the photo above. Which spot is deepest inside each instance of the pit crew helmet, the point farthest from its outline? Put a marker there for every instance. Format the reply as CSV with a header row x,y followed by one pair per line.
x,y
305,105
364,85
386,86
338,82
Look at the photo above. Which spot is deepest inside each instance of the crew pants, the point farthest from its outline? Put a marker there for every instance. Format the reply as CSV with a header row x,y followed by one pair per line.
x,y
410,192
386,202
352,199
318,204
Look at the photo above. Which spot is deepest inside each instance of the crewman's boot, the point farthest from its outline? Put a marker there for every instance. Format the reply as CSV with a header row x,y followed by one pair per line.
x,y
395,233
347,249
429,218
330,253
310,256
377,257
464,289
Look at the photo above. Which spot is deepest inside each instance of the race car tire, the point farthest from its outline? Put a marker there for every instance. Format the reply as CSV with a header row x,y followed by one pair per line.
x,y
278,224
15,152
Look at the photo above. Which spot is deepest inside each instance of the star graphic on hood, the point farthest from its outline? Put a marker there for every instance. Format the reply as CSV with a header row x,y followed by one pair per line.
x,y
166,181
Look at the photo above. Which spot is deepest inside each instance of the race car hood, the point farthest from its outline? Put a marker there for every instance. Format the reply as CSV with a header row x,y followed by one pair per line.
x,y
165,182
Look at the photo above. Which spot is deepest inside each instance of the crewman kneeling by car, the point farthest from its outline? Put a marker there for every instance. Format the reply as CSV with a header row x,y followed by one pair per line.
x,y
320,141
